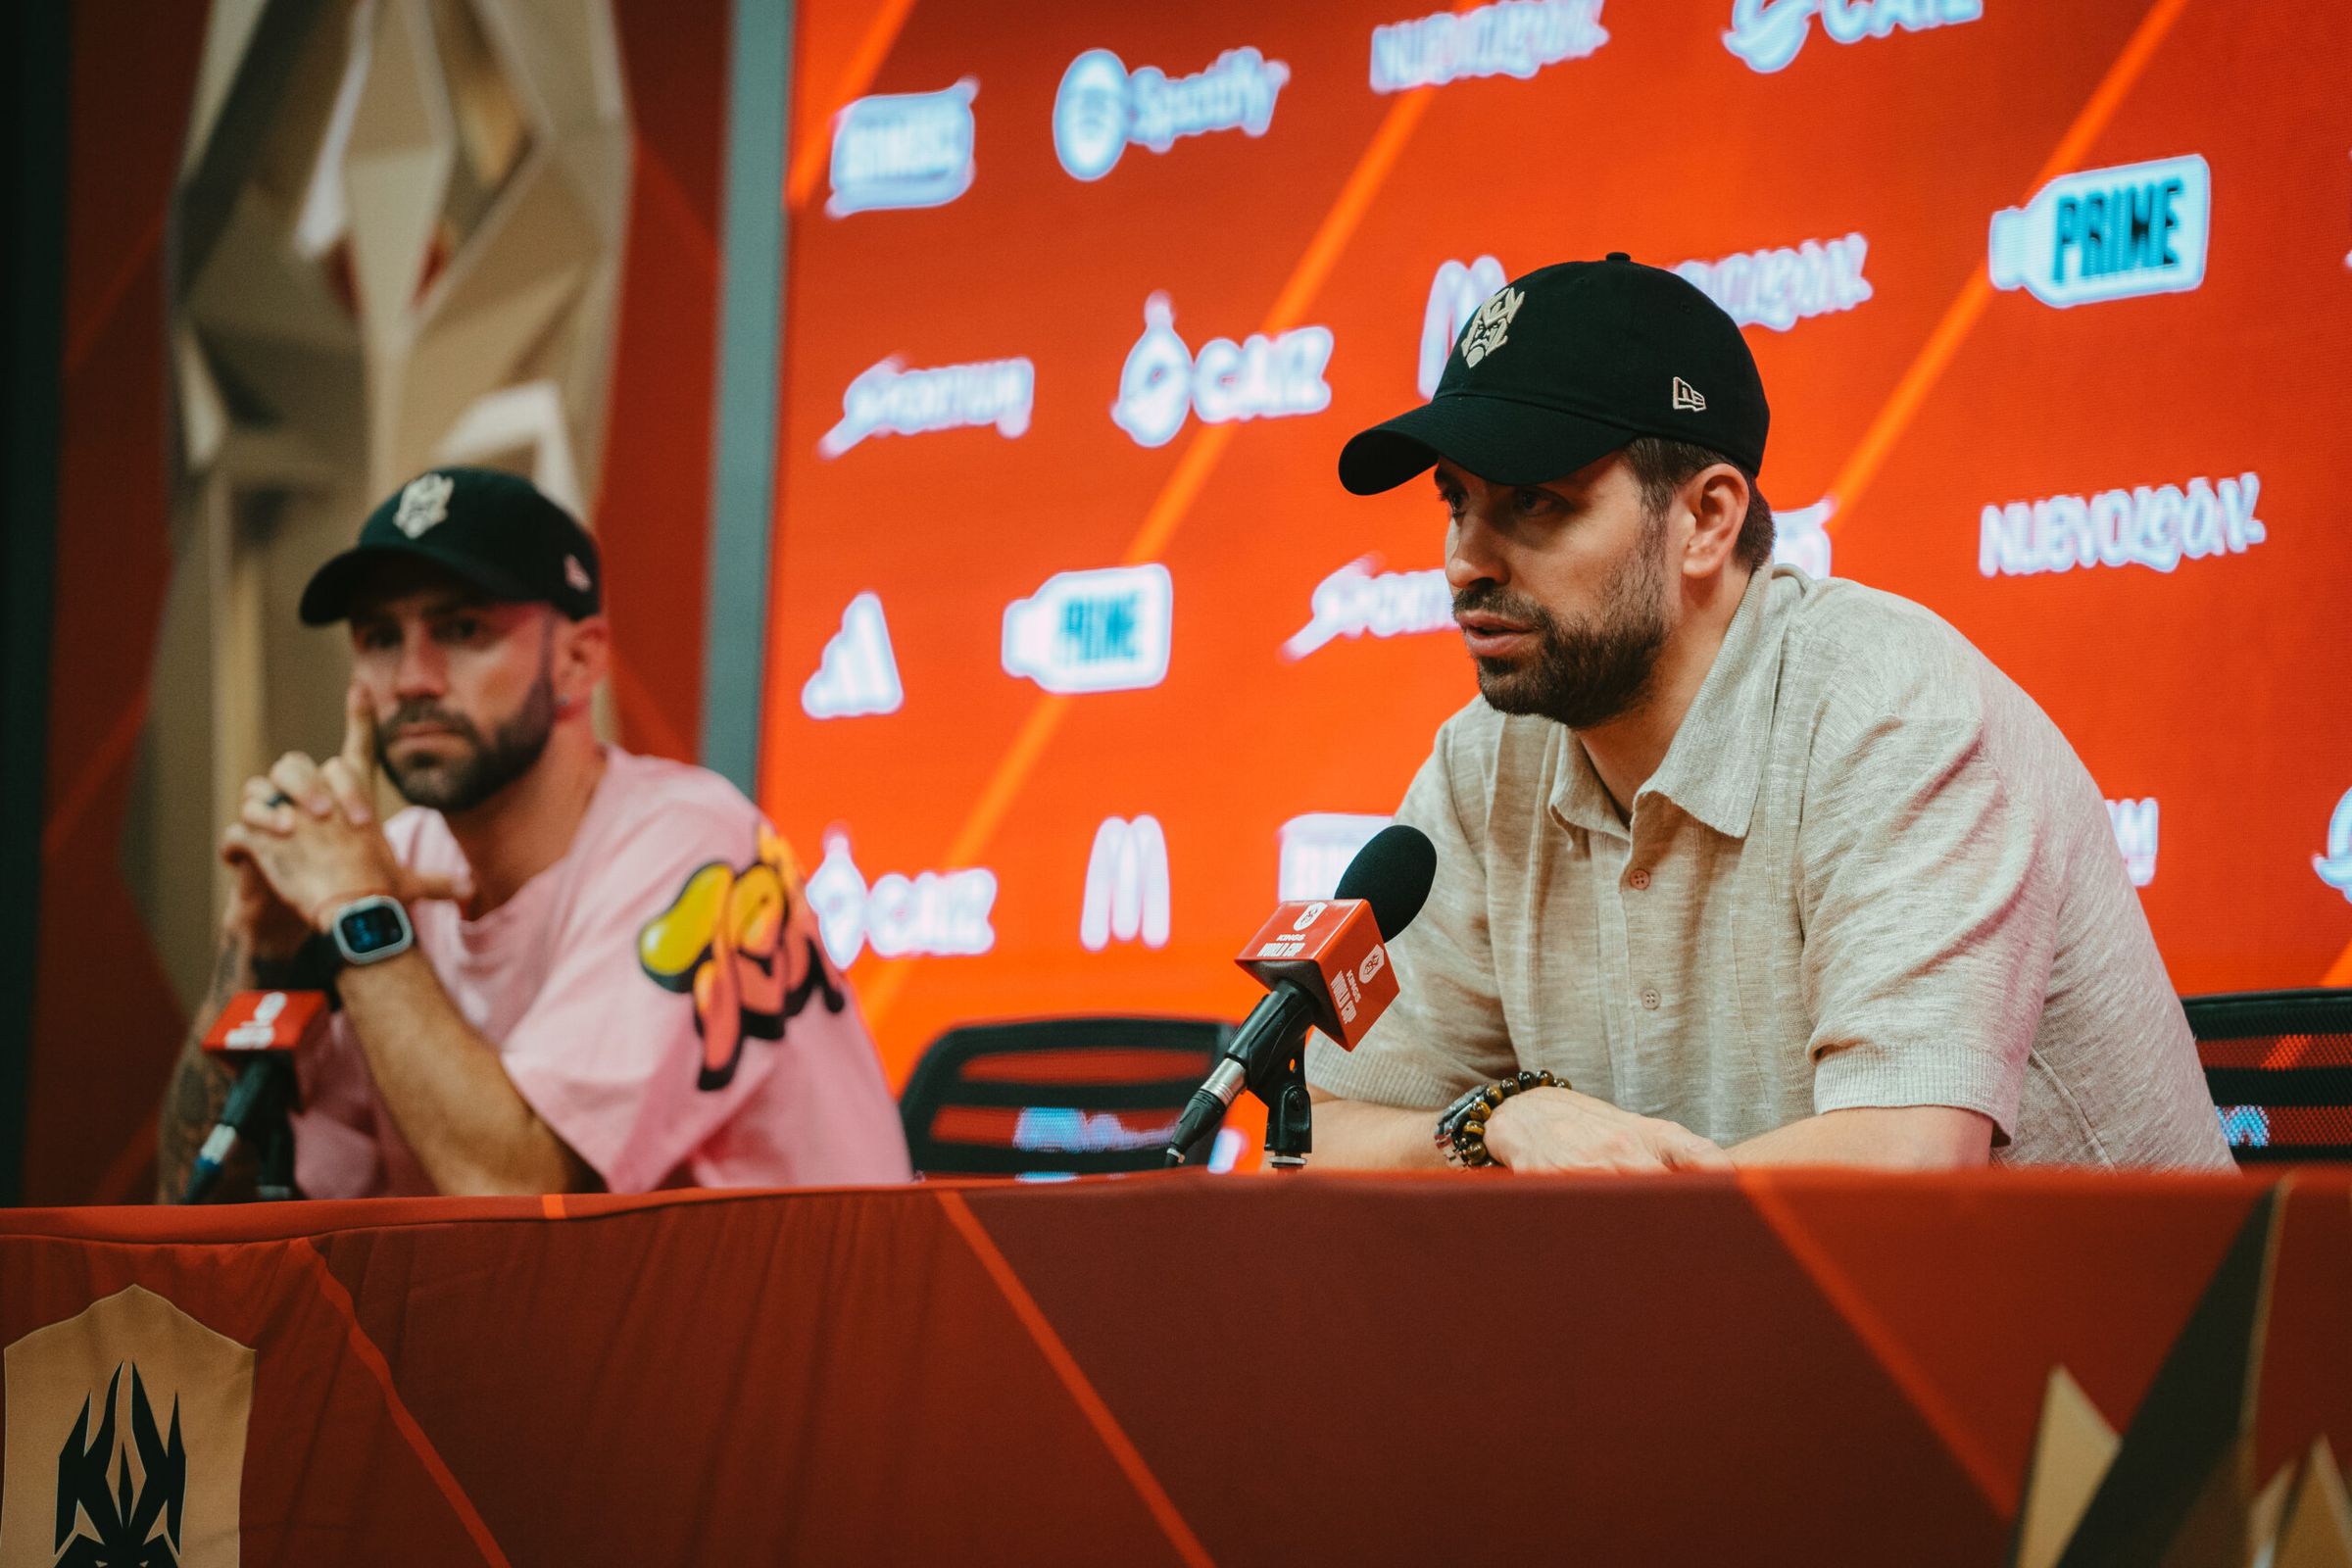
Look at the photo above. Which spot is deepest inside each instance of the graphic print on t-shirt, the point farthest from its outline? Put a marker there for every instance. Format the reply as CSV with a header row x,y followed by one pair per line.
x,y
744,944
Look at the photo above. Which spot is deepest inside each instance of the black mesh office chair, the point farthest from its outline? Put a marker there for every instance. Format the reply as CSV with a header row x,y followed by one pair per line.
x,y
1054,1096
2280,1066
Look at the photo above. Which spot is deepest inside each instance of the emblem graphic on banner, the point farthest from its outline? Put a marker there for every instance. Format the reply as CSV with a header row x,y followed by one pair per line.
x,y
125,1440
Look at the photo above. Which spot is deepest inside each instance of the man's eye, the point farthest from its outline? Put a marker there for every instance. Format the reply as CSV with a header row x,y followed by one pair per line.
x,y
1533,502
378,640
460,629
1453,502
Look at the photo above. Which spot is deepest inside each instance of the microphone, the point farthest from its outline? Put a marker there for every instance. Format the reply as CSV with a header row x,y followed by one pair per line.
x,y
262,1029
1324,964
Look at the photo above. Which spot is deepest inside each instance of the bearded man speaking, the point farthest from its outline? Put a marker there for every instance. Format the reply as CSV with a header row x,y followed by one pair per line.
x,y
564,967
1734,866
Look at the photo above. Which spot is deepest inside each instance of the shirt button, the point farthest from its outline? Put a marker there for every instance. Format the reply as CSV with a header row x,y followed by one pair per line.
x,y
1640,878
1649,999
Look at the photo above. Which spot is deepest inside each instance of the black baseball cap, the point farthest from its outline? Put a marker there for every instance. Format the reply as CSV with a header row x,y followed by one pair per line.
x,y
1565,365
495,531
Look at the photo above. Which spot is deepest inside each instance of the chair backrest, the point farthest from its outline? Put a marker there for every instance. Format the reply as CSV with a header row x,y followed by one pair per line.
x,y
2280,1066
1056,1096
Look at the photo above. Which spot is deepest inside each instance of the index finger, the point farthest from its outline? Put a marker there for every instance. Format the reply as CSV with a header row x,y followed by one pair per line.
x,y
359,733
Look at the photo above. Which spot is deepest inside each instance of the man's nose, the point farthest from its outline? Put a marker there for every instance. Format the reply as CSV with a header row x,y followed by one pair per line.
x,y
420,671
1471,555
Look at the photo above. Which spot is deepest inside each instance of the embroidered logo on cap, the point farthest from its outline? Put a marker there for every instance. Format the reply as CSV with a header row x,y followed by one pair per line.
x,y
424,503
576,574
1685,396
1485,333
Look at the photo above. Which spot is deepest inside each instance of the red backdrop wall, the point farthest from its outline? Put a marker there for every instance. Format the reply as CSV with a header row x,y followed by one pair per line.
x,y
1854,188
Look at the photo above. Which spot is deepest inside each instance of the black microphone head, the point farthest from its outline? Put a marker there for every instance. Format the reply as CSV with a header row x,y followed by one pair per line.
x,y
1392,874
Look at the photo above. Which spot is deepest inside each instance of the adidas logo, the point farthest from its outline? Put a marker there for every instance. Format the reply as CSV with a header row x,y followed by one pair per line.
x,y
1685,396
857,674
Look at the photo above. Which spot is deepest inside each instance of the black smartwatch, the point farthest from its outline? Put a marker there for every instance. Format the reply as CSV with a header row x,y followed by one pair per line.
x,y
370,930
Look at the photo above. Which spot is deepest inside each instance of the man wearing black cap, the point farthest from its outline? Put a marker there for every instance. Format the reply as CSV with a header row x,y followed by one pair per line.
x,y
564,967
1735,866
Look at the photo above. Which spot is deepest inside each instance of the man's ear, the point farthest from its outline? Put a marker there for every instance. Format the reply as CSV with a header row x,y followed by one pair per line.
x,y
583,656
1717,497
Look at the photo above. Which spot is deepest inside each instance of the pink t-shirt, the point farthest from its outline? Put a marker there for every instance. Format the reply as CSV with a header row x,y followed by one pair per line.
x,y
660,995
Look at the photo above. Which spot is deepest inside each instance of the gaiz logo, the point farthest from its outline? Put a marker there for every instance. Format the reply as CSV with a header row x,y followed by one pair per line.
x,y
2335,867
1768,34
2157,526
2107,235
104,1518
1359,600
1779,288
903,150
888,399
1315,850
1258,378
1126,885
1455,296
1100,109
742,944
935,913
1508,38
1800,537
1106,630
2136,823
858,673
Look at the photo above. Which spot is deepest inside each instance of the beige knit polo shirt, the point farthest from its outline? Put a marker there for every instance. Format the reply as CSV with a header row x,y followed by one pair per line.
x,y
1870,872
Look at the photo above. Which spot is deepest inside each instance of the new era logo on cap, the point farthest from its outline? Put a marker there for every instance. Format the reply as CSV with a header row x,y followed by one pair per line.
x,y
1685,396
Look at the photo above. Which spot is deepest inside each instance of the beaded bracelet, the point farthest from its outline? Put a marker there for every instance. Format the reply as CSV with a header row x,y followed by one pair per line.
x,y
1463,1130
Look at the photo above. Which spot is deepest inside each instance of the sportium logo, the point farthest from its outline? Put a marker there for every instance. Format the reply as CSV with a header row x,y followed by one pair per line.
x,y
859,675
1779,288
1258,378
888,399
1102,109
1106,630
1768,34
903,150
2158,526
932,913
2107,235
2335,867
1126,885
1359,600
1455,296
1510,38
1315,850
2134,823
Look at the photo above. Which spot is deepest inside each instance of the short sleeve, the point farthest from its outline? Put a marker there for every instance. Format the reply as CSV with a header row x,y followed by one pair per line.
x,y
1445,1031
682,960
1929,917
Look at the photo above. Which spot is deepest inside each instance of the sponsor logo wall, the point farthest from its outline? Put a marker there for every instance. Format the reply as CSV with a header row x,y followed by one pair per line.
x,y
2052,323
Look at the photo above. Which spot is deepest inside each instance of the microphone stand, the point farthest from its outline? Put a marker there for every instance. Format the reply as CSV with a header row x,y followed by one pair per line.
x,y
254,1113
1273,1067
1289,1108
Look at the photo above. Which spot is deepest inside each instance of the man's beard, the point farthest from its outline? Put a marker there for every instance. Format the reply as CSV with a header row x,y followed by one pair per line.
x,y
1582,675
457,784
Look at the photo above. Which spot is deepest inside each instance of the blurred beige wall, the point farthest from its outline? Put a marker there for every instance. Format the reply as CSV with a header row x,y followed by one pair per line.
x,y
396,241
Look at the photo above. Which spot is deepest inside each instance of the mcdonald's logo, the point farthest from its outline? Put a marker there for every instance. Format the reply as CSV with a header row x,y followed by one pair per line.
x,y
1126,885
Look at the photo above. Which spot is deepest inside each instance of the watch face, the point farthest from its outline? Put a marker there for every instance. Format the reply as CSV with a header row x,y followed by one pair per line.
x,y
372,930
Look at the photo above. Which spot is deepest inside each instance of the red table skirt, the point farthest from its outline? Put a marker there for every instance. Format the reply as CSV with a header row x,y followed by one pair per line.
x,y
1185,1368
